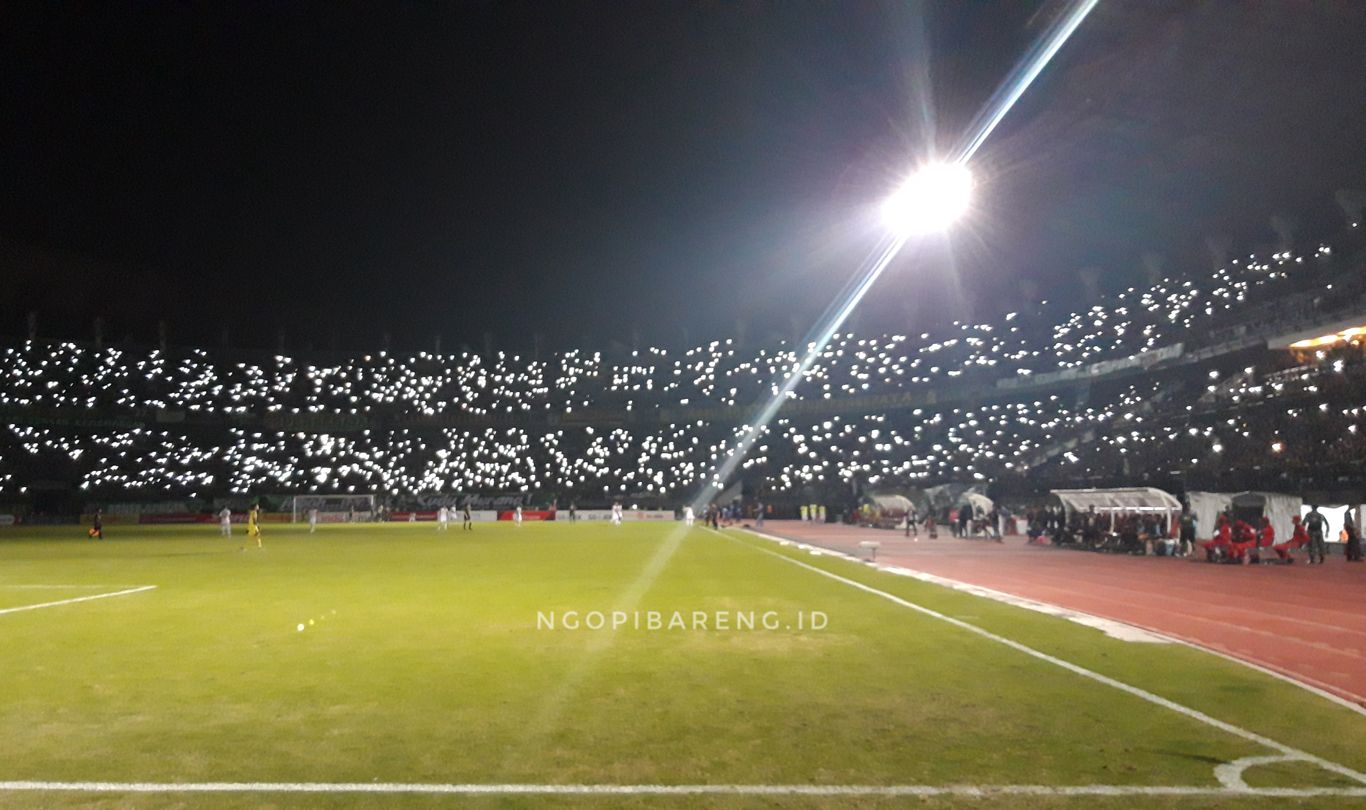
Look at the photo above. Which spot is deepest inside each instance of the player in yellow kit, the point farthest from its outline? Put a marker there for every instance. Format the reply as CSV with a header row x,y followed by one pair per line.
x,y
254,524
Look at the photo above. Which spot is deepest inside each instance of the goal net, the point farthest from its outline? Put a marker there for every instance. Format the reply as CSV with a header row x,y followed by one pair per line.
x,y
334,508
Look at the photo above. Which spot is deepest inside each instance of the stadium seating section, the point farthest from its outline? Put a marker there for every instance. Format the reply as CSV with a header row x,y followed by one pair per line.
x,y
1171,380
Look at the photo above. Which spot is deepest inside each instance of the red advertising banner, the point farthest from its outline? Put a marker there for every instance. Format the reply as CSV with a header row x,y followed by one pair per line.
x,y
201,517
477,515
177,517
530,514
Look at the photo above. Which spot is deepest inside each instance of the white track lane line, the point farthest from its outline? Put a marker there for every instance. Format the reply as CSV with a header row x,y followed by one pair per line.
x,y
74,600
1156,700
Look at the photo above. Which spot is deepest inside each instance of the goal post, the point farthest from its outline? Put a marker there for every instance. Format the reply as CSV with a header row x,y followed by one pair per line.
x,y
334,508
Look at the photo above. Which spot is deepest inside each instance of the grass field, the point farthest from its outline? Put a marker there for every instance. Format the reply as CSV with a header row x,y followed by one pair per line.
x,y
421,662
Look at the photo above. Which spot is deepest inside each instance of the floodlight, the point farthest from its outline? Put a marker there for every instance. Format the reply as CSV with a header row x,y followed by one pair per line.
x,y
930,200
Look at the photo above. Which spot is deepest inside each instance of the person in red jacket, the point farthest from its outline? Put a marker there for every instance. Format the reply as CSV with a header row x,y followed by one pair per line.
x,y
1244,541
1299,538
1266,540
1223,537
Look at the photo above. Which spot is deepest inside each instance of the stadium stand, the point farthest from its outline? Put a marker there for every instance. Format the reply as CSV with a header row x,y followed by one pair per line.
x,y
1182,383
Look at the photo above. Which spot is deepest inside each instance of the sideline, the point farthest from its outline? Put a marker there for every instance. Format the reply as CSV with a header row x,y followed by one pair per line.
x,y
677,790
1157,700
1111,627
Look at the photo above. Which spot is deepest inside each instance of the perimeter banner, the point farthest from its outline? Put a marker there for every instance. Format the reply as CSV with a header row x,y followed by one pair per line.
x,y
627,514
476,515
529,514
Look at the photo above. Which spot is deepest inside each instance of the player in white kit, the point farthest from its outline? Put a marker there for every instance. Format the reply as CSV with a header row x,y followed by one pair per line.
x,y
443,517
517,516
225,522
616,514
688,516
312,521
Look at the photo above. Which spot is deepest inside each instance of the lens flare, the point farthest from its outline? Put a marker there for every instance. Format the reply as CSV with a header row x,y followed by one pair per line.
x,y
930,200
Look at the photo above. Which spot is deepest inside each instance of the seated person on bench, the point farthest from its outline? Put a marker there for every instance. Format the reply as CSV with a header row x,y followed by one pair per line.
x,y
1298,539
1266,539
1223,537
1244,541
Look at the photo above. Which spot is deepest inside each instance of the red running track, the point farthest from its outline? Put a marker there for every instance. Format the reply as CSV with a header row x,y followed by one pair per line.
x,y
1305,622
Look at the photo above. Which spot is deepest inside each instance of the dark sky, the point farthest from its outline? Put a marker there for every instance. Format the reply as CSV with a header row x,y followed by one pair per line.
x,y
592,170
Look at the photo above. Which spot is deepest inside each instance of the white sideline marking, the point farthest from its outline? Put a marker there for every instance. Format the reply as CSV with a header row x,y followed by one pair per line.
x,y
1110,627
1114,629
1194,714
1293,680
676,790
46,587
74,600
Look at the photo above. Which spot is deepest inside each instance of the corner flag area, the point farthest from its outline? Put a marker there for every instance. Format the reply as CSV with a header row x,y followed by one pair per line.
x,y
598,666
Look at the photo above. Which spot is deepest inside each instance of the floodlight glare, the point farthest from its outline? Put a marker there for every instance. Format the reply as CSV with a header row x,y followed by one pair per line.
x,y
930,200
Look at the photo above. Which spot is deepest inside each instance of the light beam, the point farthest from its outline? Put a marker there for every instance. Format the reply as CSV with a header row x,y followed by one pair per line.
x,y
1019,79
905,220
830,322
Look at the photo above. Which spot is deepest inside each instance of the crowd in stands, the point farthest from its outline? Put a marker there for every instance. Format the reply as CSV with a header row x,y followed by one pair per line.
x,y
1300,424
657,422
1048,337
875,449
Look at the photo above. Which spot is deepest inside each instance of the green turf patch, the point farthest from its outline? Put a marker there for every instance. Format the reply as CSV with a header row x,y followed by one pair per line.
x,y
422,660
1225,689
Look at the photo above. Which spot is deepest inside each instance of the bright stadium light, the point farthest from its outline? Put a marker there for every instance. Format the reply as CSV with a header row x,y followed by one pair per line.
x,y
930,200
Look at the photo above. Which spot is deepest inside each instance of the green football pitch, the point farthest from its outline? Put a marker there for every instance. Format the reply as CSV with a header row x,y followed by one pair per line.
x,y
482,668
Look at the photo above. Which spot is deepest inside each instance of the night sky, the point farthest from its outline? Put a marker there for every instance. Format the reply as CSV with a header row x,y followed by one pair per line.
x,y
602,172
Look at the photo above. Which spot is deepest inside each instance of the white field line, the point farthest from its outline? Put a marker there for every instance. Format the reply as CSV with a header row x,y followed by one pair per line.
x,y
74,600
1303,682
1157,700
46,587
1230,774
675,790
1111,627
1114,629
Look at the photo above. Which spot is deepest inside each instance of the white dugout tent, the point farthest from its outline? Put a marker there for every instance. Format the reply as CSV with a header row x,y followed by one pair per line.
x,y
1206,506
1124,500
979,502
1281,508
1335,515
892,503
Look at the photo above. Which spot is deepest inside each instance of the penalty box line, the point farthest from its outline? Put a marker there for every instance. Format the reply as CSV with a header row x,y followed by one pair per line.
x,y
1157,700
676,790
74,600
